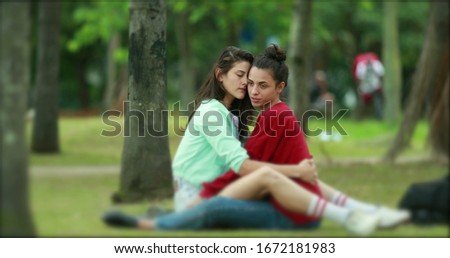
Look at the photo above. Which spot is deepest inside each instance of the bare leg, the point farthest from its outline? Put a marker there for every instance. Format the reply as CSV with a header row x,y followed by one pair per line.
x,y
335,196
327,191
251,187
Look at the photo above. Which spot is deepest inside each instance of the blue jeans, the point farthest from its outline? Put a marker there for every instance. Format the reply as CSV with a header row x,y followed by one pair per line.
x,y
221,212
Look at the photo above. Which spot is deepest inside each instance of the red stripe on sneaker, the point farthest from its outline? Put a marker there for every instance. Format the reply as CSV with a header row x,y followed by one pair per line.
x,y
344,201
338,199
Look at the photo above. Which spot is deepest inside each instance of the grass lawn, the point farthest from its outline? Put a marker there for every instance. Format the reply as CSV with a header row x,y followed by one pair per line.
x,y
82,143
70,204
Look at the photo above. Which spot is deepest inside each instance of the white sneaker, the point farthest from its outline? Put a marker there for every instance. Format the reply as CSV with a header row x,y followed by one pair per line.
x,y
390,218
361,223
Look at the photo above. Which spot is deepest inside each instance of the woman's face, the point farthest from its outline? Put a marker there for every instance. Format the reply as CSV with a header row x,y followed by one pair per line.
x,y
262,88
235,81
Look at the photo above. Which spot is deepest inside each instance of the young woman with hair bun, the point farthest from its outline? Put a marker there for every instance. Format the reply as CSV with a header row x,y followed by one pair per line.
x,y
266,198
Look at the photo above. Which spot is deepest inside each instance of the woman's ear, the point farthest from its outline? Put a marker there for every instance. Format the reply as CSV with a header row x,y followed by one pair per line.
x,y
280,87
218,74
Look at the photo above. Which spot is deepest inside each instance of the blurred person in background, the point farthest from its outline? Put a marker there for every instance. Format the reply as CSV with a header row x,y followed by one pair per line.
x,y
322,100
319,93
368,72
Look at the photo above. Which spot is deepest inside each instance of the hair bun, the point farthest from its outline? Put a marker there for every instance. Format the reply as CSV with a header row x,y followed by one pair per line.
x,y
276,53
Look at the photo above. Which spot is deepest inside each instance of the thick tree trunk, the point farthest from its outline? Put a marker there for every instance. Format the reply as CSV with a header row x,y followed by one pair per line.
x,y
2,63
299,59
45,125
15,216
187,71
440,108
391,58
431,70
146,171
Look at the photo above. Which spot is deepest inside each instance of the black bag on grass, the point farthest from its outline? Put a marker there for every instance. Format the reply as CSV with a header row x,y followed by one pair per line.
x,y
428,202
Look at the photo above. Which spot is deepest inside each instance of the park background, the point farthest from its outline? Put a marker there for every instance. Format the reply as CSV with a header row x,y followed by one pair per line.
x,y
65,69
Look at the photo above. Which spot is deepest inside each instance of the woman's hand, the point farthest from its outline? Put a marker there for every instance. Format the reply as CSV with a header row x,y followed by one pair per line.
x,y
307,171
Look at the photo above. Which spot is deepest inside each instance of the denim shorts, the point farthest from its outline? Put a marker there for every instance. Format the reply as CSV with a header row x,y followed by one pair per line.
x,y
185,193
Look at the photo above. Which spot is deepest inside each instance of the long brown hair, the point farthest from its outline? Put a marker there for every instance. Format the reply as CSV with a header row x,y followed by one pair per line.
x,y
212,88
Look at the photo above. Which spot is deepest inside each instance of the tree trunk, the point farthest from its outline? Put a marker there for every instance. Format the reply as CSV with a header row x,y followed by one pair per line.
x,y
299,59
391,58
439,111
110,94
83,86
45,124
146,171
187,71
431,70
122,83
15,216
439,123
122,89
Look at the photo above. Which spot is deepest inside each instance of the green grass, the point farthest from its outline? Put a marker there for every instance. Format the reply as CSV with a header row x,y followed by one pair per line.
x,y
81,142
70,204
367,138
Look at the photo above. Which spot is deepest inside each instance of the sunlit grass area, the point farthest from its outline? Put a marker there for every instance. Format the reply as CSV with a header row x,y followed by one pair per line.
x,y
82,142
369,138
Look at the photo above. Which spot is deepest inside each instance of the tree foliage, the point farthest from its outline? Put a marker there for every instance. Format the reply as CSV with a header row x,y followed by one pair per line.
x,y
99,20
341,29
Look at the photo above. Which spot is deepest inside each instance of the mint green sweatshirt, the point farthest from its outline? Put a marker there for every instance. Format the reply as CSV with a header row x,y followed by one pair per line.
x,y
210,145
